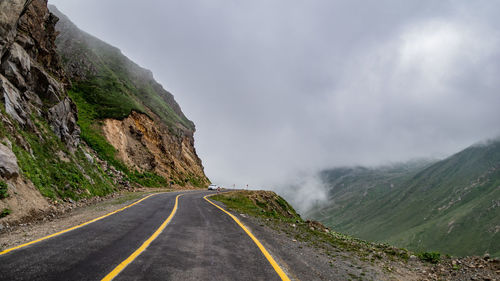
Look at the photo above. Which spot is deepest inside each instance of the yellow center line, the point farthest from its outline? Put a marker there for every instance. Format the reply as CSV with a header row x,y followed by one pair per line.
x,y
74,227
271,260
144,245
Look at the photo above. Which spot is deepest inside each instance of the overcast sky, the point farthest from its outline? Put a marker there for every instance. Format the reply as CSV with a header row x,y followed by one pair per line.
x,y
284,88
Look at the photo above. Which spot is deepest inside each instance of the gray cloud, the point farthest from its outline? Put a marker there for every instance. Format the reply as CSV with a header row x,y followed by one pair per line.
x,y
284,88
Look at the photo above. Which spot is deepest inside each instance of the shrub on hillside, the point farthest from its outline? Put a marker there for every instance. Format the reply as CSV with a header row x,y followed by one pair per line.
x,y
3,190
432,257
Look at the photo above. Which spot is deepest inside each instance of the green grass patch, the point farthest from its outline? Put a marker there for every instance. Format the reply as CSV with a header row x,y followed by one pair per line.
x,y
239,203
73,178
264,204
5,212
90,125
107,96
196,181
3,190
148,179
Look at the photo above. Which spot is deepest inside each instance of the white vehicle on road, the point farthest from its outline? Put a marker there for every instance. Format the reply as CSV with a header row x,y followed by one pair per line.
x,y
212,187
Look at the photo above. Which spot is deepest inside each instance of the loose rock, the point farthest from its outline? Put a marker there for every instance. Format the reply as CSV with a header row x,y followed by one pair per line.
x,y
8,163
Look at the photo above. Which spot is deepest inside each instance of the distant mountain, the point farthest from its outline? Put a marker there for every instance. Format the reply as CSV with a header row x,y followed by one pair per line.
x,y
452,205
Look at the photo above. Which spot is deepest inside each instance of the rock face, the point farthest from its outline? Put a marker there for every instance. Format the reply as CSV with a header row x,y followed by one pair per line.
x,y
33,103
9,16
147,145
32,80
63,122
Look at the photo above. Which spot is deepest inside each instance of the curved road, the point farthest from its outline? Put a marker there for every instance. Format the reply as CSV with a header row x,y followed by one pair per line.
x,y
200,242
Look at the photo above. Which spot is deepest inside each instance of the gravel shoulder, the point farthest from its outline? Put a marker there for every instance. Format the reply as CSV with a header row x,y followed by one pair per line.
x,y
317,260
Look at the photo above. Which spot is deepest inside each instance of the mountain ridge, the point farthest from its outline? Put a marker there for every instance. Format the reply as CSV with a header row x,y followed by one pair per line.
x,y
448,205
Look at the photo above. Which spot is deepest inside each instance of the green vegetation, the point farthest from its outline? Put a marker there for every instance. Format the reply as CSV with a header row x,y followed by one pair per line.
x,y
106,96
3,190
139,84
5,212
196,181
113,85
90,125
432,257
147,179
259,204
91,133
71,176
450,206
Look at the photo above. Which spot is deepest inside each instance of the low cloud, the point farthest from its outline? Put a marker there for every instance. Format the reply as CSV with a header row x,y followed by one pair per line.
x,y
304,192
278,88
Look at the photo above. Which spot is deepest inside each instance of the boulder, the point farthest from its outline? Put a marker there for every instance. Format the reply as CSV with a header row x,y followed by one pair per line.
x,y
62,119
89,157
20,58
16,66
10,96
11,72
46,87
8,163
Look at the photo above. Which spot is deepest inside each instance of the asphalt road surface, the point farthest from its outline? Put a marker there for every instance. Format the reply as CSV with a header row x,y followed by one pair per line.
x,y
200,242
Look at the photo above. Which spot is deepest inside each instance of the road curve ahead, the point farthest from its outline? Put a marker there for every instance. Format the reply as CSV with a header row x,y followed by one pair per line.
x,y
200,242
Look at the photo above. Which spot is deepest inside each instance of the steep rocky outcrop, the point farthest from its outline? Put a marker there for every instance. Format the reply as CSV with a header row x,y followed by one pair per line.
x,y
137,116
31,77
33,103
148,146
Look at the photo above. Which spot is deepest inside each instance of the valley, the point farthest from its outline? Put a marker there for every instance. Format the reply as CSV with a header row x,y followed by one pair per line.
x,y
450,206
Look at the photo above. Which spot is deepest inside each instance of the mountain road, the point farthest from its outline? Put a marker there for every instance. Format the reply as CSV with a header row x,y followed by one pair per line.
x,y
167,236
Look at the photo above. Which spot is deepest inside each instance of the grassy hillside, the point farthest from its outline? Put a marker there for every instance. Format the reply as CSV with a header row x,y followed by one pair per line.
x,y
452,206
45,160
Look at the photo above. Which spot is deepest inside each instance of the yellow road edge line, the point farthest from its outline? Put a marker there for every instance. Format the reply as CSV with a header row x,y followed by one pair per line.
x,y
144,245
74,227
271,260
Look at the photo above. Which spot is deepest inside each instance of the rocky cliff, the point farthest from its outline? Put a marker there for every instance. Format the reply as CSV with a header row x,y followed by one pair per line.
x,y
134,113
61,141
35,109
146,145
31,77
